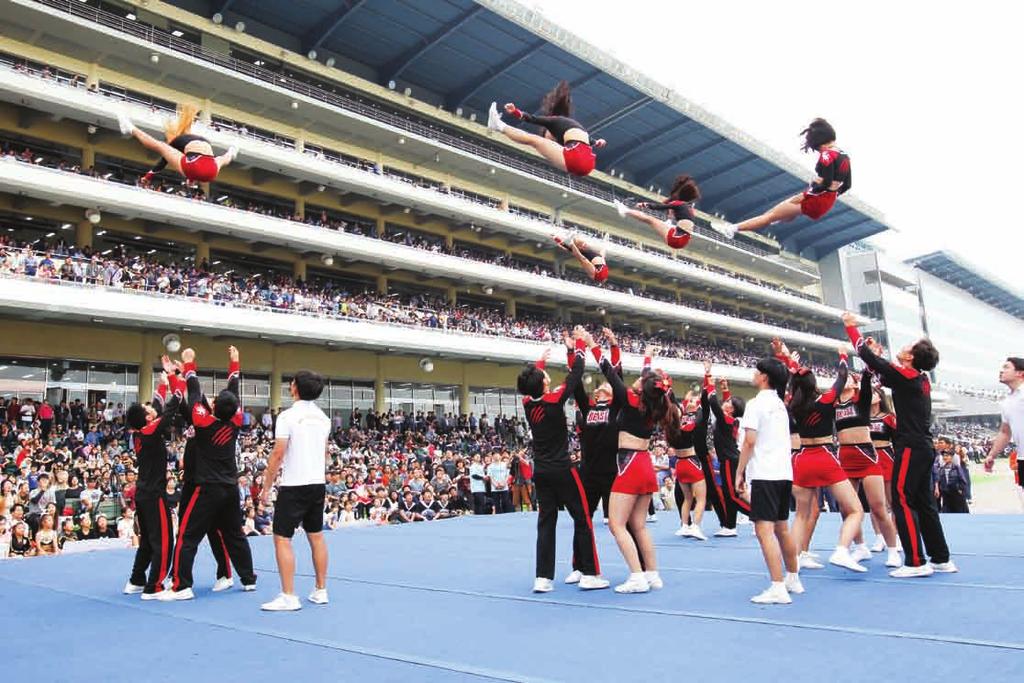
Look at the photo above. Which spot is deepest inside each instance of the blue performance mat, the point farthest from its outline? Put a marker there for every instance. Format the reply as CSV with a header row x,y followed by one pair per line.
x,y
451,601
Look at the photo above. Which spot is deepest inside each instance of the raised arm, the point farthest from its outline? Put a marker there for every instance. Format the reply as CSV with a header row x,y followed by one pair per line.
x,y
616,353
234,373
864,397
884,369
193,389
573,379
620,395
843,370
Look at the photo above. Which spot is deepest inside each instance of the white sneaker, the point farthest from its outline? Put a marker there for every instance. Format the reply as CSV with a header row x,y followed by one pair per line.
x,y
621,208
894,559
811,554
742,519
223,583
652,518
861,553
124,122
151,596
131,589
542,585
574,576
494,121
684,530
591,583
172,596
636,583
806,561
793,584
282,603
908,572
775,594
723,228
231,154
654,580
249,588
879,545
944,567
318,596
696,532
725,533
842,558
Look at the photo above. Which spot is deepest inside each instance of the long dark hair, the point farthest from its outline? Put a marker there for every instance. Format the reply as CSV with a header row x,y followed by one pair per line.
x,y
884,404
531,381
819,132
803,391
558,102
653,401
684,188
671,424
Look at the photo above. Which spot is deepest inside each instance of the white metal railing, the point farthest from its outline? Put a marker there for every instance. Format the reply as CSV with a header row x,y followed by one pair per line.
x,y
98,304
70,188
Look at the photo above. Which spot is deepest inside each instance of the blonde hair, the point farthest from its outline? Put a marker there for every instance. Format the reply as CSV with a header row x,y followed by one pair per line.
x,y
182,123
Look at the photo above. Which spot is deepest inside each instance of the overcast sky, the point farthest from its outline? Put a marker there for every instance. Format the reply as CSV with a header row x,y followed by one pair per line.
x,y
926,97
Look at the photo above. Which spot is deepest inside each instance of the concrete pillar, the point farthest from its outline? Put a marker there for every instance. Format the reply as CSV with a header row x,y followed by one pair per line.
x,y
504,203
453,296
382,284
510,307
378,386
275,379
449,240
83,234
299,270
92,76
145,371
206,111
202,252
88,157
464,406
381,225
300,140
300,207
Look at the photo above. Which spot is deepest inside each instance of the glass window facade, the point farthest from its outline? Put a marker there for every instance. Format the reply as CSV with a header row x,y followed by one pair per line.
x,y
413,397
340,396
495,401
67,380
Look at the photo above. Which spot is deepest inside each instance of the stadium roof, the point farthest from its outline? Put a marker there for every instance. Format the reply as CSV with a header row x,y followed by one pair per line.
x,y
978,284
466,53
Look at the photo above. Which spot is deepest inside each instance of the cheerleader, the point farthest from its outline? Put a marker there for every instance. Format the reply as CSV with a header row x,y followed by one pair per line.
x,y
592,260
833,179
675,231
190,155
641,408
565,143
883,426
861,463
690,491
725,435
816,464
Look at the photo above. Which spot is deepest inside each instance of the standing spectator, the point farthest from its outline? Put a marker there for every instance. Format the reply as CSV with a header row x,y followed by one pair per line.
x,y
952,485
28,413
45,421
498,474
478,486
1012,426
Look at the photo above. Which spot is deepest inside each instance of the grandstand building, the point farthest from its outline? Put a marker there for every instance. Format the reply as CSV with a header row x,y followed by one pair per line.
x,y
371,227
971,316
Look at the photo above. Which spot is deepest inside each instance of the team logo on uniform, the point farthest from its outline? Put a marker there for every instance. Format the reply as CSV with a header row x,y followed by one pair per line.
x,y
597,417
222,436
537,414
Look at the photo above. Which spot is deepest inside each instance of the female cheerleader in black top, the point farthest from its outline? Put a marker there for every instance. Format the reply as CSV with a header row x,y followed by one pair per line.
x,y
676,231
641,408
861,463
834,178
691,490
565,143
592,260
190,155
816,464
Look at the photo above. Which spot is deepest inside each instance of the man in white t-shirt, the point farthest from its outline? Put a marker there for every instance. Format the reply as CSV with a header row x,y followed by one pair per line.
x,y
1012,428
300,451
766,456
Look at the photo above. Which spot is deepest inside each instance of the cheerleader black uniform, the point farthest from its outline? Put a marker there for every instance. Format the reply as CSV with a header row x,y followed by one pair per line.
x,y
727,449
858,460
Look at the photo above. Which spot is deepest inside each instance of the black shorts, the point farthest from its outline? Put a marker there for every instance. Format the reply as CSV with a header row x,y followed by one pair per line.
x,y
769,500
299,505
1020,472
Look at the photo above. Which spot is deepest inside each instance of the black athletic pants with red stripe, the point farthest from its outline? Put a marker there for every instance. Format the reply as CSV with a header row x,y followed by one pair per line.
x,y
212,507
733,502
156,541
715,494
215,538
563,488
913,505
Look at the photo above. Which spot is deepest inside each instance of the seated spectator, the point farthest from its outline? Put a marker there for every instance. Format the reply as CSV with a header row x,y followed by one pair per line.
x,y
103,527
85,532
46,537
21,544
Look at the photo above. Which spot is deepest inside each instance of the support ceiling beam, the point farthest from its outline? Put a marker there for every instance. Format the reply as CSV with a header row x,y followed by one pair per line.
x,y
331,23
467,90
394,70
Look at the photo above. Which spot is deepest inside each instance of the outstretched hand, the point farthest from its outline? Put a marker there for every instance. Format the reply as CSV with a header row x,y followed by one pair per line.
x,y
849,319
167,364
510,107
233,354
707,367
546,355
188,355
610,336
